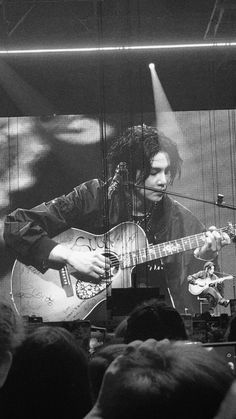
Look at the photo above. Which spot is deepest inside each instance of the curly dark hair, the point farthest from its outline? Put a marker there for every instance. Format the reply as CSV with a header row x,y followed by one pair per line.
x,y
137,146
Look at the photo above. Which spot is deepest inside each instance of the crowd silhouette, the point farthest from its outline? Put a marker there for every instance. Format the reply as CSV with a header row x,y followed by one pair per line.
x,y
151,369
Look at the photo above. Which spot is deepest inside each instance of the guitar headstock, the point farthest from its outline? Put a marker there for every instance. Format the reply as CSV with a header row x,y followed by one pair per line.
x,y
231,231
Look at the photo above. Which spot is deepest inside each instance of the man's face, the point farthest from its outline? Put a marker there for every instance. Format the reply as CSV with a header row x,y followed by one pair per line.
x,y
159,177
211,270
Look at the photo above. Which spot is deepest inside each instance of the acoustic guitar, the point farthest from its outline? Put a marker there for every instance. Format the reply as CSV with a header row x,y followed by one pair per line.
x,y
67,295
203,284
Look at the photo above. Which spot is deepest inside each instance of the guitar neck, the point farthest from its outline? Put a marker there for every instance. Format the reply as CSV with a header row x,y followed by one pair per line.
x,y
222,279
158,251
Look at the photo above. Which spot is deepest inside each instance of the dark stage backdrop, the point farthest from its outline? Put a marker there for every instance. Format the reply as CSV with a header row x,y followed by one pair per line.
x,y
43,157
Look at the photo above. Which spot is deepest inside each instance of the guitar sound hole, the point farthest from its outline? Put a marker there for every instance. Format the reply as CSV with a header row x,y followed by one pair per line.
x,y
114,265
89,289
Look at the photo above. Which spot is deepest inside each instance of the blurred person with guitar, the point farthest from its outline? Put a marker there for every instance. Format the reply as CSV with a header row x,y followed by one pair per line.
x,y
207,284
122,232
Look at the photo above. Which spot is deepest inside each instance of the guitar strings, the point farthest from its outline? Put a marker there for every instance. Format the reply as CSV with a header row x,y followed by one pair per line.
x,y
159,247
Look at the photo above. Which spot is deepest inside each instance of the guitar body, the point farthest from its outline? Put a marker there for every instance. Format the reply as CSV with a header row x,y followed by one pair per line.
x,y
43,295
202,284
197,289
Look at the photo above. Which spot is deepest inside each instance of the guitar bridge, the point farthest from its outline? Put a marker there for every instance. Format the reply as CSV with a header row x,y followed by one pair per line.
x,y
66,281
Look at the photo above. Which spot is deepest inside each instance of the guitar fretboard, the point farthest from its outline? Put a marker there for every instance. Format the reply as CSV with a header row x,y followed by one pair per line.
x,y
157,251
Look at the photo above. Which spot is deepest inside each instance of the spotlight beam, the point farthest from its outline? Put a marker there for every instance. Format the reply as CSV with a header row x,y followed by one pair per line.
x,y
165,118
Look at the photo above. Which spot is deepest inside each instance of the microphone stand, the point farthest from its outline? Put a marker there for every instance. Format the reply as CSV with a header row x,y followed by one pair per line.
x,y
219,203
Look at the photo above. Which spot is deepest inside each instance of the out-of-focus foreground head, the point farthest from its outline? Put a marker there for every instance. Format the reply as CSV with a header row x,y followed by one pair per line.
x,y
164,380
11,336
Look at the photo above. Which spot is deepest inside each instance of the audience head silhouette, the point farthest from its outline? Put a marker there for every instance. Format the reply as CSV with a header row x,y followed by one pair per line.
x,y
49,375
11,335
154,319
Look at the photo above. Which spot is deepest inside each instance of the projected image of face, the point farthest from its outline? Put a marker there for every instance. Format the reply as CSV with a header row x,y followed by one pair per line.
x,y
20,148
76,142
74,129
159,178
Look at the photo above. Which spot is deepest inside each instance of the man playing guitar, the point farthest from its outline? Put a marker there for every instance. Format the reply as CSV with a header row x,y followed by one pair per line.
x,y
204,284
104,208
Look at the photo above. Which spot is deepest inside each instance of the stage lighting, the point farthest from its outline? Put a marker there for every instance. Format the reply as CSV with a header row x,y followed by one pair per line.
x,y
117,48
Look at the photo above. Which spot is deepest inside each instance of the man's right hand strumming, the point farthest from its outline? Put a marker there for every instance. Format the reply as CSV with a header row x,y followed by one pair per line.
x,y
92,264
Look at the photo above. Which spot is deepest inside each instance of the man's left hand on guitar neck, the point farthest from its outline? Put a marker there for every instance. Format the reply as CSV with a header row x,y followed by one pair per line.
x,y
214,241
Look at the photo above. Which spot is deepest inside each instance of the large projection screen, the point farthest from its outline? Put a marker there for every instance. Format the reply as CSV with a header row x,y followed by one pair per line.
x,y
44,157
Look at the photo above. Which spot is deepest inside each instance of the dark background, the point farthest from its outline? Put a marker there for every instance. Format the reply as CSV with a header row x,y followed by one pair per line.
x,y
100,82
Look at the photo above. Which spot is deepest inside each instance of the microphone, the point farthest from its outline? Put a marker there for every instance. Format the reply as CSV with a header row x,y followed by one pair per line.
x,y
220,199
118,178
